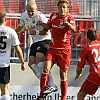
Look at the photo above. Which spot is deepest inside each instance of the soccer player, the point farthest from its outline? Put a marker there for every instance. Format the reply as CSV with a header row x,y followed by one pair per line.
x,y
41,39
61,25
91,54
8,37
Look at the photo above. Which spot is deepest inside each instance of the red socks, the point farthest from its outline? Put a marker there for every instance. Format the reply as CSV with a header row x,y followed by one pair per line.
x,y
63,86
43,82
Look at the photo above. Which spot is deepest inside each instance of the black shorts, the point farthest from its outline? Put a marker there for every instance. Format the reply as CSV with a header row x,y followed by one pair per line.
x,y
5,75
41,46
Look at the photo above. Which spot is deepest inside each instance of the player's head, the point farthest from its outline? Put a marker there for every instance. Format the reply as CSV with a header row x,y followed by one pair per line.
x,y
31,8
63,7
2,17
92,34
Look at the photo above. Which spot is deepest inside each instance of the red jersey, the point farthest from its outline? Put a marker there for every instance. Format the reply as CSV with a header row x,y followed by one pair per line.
x,y
91,54
61,34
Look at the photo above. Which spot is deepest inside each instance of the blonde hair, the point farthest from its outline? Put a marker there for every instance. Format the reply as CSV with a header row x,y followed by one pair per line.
x,y
2,16
31,4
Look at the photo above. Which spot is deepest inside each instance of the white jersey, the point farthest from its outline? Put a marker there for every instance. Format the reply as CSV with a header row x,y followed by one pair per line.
x,y
8,38
28,22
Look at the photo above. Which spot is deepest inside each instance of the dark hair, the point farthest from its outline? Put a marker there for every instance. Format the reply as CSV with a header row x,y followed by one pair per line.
x,y
92,34
63,1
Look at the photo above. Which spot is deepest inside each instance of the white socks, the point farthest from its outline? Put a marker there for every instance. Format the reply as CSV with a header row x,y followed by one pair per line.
x,y
37,71
41,65
5,97
51,82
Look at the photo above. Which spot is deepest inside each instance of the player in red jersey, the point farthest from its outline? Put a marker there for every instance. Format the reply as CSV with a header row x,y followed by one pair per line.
x,y
91,54
61,25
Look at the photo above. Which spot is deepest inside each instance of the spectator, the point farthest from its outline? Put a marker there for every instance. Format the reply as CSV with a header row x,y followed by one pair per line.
x,y
91,54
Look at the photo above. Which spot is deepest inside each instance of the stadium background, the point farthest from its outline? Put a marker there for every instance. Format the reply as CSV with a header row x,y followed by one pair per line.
x,y
86,13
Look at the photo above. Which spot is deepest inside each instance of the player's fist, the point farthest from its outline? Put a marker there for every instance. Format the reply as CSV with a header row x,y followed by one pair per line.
x,y
77,76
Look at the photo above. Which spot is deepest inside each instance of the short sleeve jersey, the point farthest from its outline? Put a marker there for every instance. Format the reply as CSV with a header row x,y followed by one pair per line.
x,y
61,34
26,21
8,38
91,54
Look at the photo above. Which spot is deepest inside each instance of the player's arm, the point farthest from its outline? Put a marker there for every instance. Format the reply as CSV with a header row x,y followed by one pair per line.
x,y
45,25
19,29
70,23
20,56
71,27
37,32
78,73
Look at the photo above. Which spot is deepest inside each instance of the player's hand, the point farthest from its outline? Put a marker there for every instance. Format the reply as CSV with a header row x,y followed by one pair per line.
x,y
66,22
32,30
77,76
39,23
23,66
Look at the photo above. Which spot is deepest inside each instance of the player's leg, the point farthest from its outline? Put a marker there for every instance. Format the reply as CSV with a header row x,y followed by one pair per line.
x,y
63,84
44,80
45,77
63,62
32,60
4,82
40,57
51,85
37,71
87,87
4,90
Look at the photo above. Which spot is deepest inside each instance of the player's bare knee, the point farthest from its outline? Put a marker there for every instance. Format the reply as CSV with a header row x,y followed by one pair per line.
x,y
46,71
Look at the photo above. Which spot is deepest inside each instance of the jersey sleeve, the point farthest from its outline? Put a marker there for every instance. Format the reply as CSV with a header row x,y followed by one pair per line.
x,y
49,20
43,18
82,58
21,22
15,40
72,21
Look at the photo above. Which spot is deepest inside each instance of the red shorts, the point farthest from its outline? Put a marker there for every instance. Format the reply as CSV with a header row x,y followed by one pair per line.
x,y
59,56
89,87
